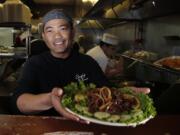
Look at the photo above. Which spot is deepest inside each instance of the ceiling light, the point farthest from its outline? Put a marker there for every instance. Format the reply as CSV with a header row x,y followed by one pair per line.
x,y
91,1
154,3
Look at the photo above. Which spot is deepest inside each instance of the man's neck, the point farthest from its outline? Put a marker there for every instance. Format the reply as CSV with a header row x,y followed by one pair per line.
x,y
61,55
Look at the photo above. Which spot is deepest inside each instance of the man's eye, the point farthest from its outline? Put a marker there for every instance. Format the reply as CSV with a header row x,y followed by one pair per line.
x,y
48,30
63,28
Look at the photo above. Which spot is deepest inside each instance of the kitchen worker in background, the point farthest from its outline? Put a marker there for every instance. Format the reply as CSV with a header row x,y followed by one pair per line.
x,y
104,53
38,45
40,88
78,45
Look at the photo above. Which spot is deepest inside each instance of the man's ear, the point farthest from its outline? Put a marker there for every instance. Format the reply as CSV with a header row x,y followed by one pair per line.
x,y
42,34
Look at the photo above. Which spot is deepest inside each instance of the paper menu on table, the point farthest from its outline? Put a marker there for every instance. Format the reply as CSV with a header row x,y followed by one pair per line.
x,y
69,133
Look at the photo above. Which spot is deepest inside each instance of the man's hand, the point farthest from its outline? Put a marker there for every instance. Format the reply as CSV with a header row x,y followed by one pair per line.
x,y
56,96
142,90
114,68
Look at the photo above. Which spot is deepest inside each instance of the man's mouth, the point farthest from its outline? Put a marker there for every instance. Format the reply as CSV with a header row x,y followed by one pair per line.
x,y
59,42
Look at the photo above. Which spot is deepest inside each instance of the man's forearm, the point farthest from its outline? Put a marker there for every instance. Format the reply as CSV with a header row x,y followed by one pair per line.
x,y
29,103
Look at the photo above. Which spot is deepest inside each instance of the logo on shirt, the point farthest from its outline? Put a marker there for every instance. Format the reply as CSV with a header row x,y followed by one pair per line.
x,y
81,77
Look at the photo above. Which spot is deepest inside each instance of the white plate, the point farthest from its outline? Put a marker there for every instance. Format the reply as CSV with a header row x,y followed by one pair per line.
x,y
97,121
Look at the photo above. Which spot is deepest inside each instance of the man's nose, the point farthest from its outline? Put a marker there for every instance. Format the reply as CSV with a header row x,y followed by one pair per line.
x,y
58,34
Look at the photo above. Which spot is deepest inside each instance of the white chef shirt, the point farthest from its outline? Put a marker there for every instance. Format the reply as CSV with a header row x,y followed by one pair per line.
x,y
98,54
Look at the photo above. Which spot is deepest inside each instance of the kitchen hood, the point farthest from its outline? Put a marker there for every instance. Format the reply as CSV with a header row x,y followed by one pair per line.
x,y
109,13
16,11
143,9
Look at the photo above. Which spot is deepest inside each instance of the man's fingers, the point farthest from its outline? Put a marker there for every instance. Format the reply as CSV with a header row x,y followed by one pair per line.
x,y
57,92
56,101
67,114
141,90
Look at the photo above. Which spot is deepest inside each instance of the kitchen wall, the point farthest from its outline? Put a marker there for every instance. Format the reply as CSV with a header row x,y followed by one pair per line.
x,y
91,37
161,35
126,34
156,34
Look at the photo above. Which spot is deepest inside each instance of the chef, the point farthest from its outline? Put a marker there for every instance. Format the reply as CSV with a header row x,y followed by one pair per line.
x,y
103,54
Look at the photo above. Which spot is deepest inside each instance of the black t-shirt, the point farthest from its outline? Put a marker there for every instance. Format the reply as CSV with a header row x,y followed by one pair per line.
x,y
44,72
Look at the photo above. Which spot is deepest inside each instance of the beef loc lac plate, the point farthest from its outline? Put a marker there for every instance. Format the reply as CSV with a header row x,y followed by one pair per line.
x,y
108,106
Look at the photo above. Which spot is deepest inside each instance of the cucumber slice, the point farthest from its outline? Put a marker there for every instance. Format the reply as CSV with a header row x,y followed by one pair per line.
x,y
125,117
101,115
114,118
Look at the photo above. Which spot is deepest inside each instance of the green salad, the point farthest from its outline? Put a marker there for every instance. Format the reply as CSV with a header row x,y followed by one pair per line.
x,y
116,105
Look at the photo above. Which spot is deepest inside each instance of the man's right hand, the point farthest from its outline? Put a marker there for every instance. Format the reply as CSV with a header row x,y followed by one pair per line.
x,y
56,96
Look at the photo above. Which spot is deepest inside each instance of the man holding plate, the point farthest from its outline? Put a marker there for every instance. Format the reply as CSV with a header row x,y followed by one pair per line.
x,y
40,88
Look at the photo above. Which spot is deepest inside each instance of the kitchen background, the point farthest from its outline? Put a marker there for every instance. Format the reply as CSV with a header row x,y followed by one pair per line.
x,y
149,25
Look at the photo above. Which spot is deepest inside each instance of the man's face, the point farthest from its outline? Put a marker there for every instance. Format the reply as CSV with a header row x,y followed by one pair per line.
x,y
58,36
110,51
